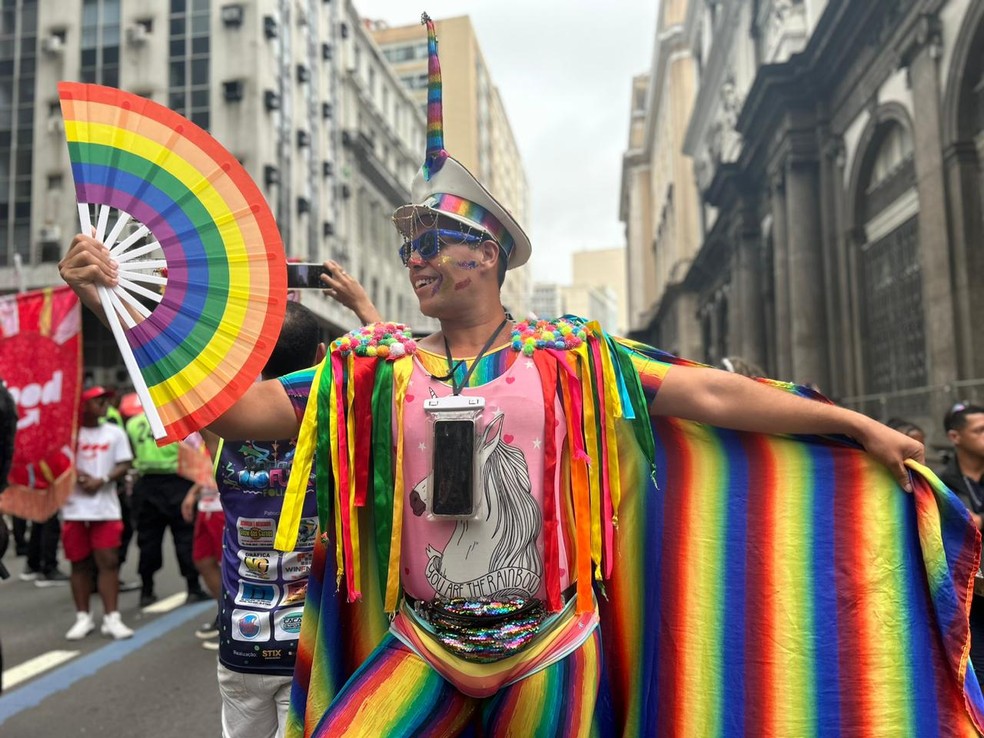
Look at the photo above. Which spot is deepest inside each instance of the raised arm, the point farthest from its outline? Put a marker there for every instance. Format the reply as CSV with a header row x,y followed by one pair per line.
x,y
348,291
731,401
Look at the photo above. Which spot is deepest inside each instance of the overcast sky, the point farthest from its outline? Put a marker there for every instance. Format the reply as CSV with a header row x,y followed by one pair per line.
x,y
564,69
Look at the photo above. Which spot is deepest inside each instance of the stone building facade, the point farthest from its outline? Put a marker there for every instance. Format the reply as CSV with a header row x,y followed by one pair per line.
x,y
838,149
658,199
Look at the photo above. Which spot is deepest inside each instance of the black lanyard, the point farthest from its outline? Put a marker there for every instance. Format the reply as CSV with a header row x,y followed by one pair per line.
x,y
452,366
975,499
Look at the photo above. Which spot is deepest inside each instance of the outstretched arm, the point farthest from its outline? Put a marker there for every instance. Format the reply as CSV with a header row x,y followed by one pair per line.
x,y
731,401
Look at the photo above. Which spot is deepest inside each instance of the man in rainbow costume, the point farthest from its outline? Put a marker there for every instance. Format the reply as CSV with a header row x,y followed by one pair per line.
x,y
538,529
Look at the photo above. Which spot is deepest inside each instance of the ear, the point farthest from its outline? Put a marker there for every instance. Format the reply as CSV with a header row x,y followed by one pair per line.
x,y
320,354
954,437
490,254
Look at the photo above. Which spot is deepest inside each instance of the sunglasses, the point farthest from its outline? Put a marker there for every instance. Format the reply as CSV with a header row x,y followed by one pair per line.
x,y
428,243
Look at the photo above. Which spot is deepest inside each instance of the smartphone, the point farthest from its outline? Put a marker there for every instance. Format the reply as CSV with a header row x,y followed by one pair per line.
x,y
454,468
305,276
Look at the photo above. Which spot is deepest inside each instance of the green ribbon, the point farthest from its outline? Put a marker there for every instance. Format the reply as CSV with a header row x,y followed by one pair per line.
x,y
382,466
641,425
324,482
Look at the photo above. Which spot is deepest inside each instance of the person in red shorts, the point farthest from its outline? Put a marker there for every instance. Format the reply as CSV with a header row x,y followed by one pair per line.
x,y
206,546
92,521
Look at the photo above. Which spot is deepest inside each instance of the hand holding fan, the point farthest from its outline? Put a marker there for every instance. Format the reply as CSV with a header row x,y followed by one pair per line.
x,y
215,271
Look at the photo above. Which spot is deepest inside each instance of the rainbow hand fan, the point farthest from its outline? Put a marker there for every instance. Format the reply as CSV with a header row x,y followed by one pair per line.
x,y
213,272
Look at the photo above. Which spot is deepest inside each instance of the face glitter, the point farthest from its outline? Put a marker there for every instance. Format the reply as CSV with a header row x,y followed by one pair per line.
x,y
462,284
467,264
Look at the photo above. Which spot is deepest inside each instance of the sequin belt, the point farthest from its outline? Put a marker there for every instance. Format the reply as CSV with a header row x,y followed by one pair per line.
x,y
483,630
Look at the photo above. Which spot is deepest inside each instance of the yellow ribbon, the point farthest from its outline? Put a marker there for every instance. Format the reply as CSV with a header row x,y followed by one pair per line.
x,y
614,411
402,369
290,513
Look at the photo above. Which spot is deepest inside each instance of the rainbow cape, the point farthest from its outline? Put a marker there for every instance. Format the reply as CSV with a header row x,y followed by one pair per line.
x,y
754,585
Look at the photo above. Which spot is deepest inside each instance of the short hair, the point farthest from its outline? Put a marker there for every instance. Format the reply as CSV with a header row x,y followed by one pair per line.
x,y
902,425
297,345
956,416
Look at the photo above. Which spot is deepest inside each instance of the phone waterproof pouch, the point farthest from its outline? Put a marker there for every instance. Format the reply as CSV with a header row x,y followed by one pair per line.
x,y
453,491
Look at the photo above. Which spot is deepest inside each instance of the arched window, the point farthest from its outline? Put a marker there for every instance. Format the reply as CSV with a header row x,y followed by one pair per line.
x,y
893,343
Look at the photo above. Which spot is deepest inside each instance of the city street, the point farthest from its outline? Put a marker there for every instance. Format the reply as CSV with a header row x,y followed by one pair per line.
x,y
161,682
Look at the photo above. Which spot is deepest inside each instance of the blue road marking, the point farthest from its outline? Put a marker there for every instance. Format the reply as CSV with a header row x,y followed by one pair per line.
x,y
62,678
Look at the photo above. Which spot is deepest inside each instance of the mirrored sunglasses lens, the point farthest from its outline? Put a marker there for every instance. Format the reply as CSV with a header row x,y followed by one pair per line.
x,y
428,244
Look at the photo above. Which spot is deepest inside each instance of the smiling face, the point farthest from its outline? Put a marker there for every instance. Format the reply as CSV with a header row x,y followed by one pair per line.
x,y
455,260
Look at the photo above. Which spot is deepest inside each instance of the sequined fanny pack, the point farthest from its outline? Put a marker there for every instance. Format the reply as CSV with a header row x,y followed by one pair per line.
x,y
483,630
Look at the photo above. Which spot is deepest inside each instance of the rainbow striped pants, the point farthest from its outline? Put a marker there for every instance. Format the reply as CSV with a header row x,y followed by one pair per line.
x,y
395,693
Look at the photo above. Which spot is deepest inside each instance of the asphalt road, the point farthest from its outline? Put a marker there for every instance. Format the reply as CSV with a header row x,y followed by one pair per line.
x,y
159,683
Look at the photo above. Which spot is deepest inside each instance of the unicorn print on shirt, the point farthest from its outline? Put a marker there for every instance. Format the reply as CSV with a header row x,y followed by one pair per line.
x,y
496,555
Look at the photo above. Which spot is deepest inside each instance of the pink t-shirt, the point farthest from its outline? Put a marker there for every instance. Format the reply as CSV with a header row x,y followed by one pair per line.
x,y
501,553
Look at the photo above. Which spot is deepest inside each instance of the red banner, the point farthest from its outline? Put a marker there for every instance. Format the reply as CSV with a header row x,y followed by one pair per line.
x,y
41,362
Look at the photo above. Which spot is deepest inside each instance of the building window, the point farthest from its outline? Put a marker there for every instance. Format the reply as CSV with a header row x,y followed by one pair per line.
x,y
893,340
18,24
189,60
415,81
405,53
100,42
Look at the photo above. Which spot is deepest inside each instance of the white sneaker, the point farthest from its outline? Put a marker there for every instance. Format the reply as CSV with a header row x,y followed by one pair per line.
x,y
83,626
113,627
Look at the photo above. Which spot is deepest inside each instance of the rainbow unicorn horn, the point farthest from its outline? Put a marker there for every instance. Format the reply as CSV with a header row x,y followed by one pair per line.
x,y
436,154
